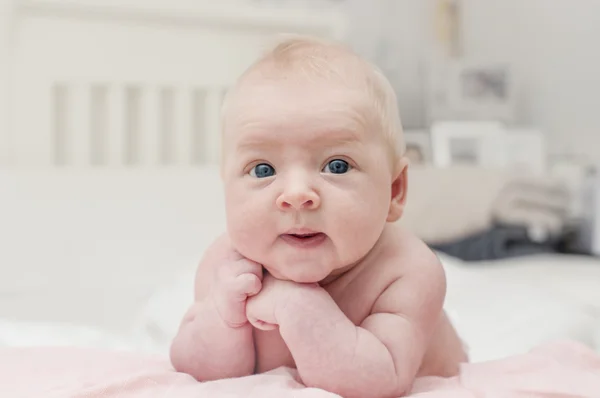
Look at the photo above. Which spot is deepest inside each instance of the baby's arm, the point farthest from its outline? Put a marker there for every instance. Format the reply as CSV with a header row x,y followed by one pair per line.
x,y
379,358
215,340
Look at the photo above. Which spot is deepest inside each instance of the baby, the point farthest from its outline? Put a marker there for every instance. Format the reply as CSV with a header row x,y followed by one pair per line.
x,y
313,273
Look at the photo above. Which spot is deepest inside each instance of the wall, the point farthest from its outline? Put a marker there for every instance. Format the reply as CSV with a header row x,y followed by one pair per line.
x,y
396,35
5,26
554,48
552,45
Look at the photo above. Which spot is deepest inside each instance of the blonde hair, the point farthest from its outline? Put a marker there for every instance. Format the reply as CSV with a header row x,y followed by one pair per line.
x,y
315,57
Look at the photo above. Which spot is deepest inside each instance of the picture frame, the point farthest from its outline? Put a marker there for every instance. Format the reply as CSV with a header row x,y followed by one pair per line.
x,y
476,143
468,89
489,144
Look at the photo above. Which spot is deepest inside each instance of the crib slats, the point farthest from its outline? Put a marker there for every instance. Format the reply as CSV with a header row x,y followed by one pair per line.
x,y
166,151
116,132
149,132
132,121
199,126
98,124
181,135
213,126
78,142
125,124
33,143
59,109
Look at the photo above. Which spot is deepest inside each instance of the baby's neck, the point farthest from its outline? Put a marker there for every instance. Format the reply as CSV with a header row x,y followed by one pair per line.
x,y
338,273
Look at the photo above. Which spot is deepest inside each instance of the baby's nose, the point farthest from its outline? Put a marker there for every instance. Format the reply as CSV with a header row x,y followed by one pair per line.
x,y
299,200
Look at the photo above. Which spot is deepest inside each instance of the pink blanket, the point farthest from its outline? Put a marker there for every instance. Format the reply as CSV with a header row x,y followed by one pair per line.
x,y
552,371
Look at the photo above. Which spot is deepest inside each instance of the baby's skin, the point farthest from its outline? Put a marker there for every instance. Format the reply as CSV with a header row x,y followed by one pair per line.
x,y
366,333
314,272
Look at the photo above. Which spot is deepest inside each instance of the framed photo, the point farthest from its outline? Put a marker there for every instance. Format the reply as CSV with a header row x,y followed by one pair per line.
x,y
418,146
468,144
470,90
489,144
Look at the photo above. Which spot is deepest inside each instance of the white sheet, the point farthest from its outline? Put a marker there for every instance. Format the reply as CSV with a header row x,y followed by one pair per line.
x,y
506,307
90,247
30,333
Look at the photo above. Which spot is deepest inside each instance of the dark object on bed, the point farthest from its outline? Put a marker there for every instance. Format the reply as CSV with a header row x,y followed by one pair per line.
x,y
498,242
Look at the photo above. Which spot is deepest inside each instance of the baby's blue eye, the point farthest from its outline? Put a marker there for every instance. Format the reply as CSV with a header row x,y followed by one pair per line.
x,y
262,170
337,166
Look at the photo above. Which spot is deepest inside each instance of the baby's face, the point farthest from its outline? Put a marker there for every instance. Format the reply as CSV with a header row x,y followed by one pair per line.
x,y
307,182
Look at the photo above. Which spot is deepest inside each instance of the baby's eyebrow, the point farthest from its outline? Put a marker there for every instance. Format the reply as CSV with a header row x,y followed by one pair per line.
x,y
257,144
322,137
338,136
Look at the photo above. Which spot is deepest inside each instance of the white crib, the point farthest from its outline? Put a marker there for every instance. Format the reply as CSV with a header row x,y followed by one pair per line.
x,y
129,83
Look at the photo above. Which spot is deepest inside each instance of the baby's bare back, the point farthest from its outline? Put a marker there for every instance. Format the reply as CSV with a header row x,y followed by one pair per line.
x,y
357,291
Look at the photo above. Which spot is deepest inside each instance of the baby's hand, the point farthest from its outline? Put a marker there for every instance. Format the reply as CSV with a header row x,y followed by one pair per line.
x,y
237,278
275,295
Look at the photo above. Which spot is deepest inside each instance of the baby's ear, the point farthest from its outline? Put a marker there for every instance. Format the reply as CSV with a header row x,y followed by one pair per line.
x,y
399,187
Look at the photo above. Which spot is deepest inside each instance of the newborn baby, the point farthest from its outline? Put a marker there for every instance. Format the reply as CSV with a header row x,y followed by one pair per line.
x,y
312,272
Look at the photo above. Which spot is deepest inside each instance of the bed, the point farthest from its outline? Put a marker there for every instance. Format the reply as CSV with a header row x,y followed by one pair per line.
x,y
115,252
110,193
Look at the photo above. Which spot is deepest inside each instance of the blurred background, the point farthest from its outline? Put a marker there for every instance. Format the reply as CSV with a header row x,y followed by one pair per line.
x,y
109,148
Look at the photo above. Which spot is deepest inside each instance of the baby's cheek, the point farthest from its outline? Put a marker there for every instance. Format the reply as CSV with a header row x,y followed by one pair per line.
x,y
359,227
244,211
250,231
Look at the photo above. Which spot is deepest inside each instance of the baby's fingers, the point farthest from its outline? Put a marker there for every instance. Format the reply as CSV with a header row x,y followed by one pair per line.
x,y
246,285
258,324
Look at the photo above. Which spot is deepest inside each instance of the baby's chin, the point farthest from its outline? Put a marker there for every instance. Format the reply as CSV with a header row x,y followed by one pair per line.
x,y
304,278
302,275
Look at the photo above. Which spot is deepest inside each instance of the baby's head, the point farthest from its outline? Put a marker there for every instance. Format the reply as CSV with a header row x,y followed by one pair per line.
x,y
312,163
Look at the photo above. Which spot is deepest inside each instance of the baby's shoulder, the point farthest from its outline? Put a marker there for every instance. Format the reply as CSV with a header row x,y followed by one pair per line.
x,y
403,276
406,254
414,276
218,250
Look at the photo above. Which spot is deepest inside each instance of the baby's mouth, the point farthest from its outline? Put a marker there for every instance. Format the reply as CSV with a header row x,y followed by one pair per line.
x,y
306,240
305,236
